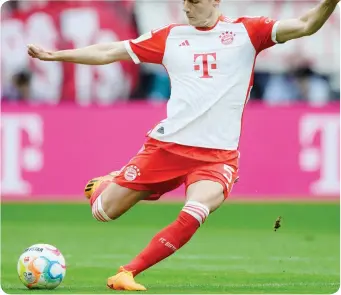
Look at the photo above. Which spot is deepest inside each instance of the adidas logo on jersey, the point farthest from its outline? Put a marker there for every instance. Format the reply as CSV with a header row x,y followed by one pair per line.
x,y
185,43
161,130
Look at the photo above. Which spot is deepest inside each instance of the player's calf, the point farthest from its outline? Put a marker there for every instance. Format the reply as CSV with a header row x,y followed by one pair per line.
x,y
171,238
116,199
109,200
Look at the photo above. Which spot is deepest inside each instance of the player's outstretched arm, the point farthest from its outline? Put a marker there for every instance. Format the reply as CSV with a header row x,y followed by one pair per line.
x,y
98,54
307,24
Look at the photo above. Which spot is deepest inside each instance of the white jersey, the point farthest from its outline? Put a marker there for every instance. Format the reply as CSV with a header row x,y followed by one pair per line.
x,y
211,74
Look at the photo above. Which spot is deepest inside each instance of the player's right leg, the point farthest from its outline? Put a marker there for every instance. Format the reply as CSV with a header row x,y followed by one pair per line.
x,y
112,195
109,201
152,171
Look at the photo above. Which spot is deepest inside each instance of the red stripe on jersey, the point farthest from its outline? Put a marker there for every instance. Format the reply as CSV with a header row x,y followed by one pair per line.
x,y
152,49
259,30
225,19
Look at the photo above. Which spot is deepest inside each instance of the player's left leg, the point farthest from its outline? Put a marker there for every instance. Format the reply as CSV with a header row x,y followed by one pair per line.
x,y
207,188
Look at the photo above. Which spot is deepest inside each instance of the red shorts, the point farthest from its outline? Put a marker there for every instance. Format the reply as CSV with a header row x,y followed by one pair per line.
x,y
162,167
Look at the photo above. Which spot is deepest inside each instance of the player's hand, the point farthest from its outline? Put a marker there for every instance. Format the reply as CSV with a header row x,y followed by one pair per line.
x,y
37,52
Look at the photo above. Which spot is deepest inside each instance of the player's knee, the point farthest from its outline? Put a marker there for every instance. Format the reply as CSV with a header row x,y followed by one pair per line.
x,y
208,193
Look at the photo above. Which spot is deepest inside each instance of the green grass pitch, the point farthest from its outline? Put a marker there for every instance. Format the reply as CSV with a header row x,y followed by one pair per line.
x,y
235,251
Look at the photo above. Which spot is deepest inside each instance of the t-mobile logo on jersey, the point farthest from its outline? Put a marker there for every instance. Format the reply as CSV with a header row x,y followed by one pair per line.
x,y
206,60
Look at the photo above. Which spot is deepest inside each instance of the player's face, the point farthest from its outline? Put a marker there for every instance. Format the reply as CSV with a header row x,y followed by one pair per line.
x,y
200,12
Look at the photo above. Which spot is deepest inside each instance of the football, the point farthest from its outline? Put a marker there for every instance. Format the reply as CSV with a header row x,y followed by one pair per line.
x,y
41,266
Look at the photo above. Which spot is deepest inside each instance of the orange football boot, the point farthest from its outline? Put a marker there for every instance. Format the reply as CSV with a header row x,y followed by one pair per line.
x,y
124,280
94,183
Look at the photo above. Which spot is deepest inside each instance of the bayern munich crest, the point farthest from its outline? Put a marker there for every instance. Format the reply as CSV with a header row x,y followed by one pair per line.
x,y
227,38
131,173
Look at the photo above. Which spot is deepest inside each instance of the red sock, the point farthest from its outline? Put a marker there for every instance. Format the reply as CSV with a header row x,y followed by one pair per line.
x,y
171,238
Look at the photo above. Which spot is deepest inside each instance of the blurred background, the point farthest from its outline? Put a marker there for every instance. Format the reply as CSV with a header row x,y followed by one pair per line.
x,y
55,115
306,70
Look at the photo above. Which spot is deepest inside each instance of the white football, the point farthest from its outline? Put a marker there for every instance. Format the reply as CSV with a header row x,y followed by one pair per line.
x,y
41,266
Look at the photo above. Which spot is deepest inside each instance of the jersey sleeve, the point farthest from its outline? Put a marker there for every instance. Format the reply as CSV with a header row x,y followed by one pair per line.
x,y
262,31
150,47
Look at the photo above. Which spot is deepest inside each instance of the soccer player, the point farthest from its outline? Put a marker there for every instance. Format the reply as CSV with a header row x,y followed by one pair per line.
x,y
210,62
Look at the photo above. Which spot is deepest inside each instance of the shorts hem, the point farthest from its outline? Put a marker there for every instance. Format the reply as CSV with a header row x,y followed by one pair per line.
x,y
225,191
133,186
